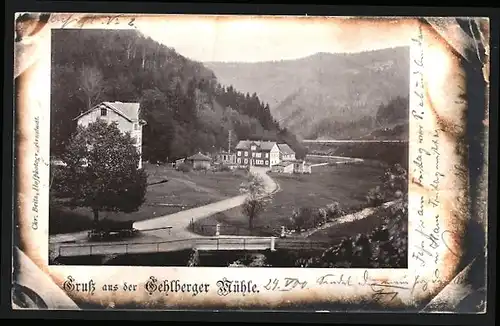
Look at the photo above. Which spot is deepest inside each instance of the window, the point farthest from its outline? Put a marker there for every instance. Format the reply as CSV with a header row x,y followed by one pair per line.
x,y
246,161
253,154
258,154
238,160
253,148
246,153
104,112
267,155
267,162
239,153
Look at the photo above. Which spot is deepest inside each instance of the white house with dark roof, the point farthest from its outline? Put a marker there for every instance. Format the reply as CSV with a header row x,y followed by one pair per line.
x,y
286,152
126,115
261,153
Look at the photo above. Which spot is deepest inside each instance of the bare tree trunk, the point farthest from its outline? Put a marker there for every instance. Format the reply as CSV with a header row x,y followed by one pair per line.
x,y
250,220
96,215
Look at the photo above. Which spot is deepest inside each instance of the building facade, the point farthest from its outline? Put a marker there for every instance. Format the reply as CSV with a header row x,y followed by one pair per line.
x,y
286,152
257,153
226,158
199,161
283,167
301,166
126,115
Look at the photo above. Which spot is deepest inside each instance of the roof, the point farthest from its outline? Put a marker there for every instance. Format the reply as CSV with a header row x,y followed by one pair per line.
x,y
128,110
199,157
285,149
263,145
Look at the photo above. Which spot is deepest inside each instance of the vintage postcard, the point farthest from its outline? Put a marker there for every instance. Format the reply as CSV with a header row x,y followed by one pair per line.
x,y
250,162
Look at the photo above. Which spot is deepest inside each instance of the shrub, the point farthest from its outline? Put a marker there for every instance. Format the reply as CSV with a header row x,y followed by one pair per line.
x,y
194,258
376,196
385,247
302,218
201,168
394,186
322,216
395,179
333,211
184,167
224,168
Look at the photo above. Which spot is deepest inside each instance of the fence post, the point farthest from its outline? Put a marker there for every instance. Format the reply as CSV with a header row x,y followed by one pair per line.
x,y
273,244
217,229
244,243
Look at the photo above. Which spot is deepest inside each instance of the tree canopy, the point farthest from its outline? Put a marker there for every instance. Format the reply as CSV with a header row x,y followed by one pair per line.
x,y
101,171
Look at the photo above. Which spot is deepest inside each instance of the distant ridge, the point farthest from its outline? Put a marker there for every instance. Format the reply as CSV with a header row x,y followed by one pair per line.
x,y
342,87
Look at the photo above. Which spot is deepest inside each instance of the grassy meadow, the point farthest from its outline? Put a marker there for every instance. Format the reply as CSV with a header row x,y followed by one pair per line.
x,y
169,191
346,184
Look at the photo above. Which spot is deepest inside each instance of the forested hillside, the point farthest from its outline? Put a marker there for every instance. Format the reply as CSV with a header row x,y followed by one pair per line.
x,y
326,95
185,107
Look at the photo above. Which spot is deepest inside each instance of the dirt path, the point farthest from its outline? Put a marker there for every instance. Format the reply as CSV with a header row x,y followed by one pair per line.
x,y
180,220
345,219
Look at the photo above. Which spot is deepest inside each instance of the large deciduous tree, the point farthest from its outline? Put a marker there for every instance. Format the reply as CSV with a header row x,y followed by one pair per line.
x,y
101,170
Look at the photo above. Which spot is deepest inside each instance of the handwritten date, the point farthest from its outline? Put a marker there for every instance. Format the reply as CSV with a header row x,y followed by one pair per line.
x,y
286,284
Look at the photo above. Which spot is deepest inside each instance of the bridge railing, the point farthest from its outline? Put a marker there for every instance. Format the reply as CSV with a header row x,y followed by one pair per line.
x,y
219,243
210,229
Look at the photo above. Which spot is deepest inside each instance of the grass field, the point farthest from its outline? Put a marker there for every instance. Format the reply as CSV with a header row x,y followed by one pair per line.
x,y
180,191
346,184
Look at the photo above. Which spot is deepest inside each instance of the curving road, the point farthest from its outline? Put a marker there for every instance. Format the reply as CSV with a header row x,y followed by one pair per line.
x,y
177,222
180,220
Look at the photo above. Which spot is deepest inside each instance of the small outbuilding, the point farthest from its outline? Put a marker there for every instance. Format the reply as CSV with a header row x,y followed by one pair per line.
x,y
283,167
199,161
300,166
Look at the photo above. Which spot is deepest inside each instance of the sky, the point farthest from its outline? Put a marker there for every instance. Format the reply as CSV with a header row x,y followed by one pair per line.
x,y
254,39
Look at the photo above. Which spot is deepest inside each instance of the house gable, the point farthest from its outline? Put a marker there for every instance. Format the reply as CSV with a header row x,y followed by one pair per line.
x,y
128,111
274,149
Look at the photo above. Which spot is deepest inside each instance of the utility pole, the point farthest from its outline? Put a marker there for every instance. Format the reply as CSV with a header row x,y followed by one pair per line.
x,y
229,142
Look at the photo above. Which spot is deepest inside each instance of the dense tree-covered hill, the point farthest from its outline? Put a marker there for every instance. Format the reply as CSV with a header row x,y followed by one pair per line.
x,y
186,108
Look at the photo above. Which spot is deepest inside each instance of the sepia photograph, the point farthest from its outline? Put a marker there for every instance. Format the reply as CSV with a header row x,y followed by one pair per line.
x,y
165,154
331,152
